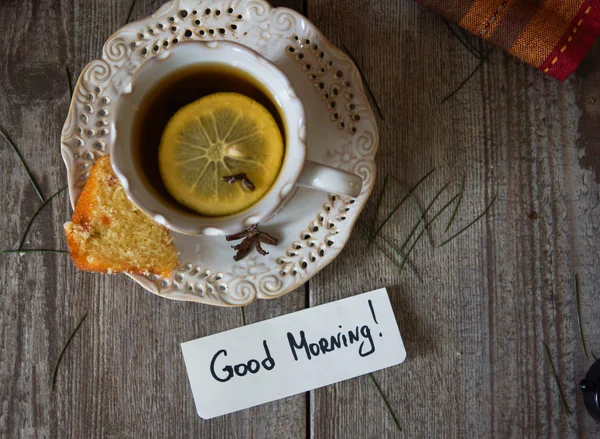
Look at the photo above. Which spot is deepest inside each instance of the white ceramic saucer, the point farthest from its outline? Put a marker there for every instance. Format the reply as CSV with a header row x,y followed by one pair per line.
x,y
313,227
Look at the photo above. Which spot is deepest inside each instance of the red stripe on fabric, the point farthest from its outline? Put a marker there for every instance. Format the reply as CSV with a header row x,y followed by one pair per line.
x,y
567,55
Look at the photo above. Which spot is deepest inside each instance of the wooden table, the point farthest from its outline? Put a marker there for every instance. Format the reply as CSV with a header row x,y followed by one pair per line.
x,y
474,327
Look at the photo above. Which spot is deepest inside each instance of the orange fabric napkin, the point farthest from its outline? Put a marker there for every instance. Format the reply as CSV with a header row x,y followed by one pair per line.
x,y
551,35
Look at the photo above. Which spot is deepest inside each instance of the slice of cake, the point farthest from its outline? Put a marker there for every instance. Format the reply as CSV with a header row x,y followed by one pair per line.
x,y
108,234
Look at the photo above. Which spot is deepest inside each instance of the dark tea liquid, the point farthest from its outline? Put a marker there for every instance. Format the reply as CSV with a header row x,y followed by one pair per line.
x,y
176,91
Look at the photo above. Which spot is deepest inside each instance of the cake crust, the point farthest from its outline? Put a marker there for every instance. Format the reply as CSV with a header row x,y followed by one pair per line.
x,y
108,234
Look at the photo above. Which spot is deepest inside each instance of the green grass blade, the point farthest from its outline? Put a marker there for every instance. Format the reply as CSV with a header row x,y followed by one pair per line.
x,y
562,396
62,353
471,223
37,211
460,196
416,226
387,218
575,285
14,148
364,78
385,401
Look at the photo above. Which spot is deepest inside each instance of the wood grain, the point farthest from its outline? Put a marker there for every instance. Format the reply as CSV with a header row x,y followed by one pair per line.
x,y
473,328
123,375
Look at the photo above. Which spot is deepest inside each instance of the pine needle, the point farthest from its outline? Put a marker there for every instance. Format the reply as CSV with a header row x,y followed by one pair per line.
x,y
36,250
470,224
69,85
409,251
412,246
378,207
362,75
243,316
70,95
416,226
386,254
14,148
415,203
464,82
403,257
460,196
62,353
131,5
37,211
385,401
467,37
575,285
480,55
562,396
387,218
463,42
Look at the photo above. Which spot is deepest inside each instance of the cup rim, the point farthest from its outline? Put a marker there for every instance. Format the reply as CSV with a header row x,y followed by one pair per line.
x,y
280,90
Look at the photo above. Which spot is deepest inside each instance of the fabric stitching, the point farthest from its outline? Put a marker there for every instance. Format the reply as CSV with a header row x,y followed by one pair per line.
x,y
564,47
493,18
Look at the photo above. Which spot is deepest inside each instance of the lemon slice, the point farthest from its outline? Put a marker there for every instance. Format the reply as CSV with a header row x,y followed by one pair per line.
x,y
219,136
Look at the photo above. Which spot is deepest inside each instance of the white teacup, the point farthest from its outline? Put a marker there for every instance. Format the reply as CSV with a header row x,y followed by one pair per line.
x,y
295,169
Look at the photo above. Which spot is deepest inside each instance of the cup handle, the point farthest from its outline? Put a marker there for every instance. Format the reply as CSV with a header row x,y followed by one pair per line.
x,y
328,179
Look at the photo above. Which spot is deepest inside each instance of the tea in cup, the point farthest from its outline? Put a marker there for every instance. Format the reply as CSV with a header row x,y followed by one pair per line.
x,y
209,138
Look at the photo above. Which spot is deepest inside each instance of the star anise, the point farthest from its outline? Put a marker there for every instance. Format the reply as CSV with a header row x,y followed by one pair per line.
x,y
252,239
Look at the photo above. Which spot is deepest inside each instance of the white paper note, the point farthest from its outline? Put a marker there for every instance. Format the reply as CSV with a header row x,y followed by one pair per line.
x,y
291,354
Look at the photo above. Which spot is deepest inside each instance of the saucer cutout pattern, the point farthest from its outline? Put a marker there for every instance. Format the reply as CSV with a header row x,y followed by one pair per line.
x,y
341,133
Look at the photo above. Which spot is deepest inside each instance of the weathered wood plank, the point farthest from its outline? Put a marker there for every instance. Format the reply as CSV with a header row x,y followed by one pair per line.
x,y
474,329
123,375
